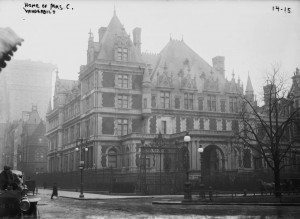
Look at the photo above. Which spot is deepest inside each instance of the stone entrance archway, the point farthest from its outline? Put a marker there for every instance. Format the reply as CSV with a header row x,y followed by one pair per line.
x,y
213,160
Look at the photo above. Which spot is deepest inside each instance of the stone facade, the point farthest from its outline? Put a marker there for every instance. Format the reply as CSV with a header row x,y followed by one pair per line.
x,y
295,130
123,96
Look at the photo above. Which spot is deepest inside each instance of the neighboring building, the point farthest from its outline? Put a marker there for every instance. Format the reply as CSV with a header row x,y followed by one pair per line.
x,y
295,131
23,83
124,96
9,153
2,131
26,145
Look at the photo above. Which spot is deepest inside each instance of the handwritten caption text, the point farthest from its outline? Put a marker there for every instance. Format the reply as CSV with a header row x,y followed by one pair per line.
x,y
45,8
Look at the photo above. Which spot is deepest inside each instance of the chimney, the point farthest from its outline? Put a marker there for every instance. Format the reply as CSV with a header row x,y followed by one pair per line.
x,y
101,32
218,64
137,38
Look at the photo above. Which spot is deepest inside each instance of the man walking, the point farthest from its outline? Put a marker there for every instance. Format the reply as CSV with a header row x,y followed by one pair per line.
x,y
54,191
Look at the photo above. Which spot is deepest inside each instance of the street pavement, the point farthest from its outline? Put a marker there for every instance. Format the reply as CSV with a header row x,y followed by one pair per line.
x,y
68,205
93,196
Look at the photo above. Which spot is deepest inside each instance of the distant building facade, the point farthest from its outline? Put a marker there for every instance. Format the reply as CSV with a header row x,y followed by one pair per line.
x,y
26,145
23,83
9,152
295,130
124,98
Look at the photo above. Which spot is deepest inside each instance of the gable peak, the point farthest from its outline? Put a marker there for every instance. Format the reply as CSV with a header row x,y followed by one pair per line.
x,y
249,87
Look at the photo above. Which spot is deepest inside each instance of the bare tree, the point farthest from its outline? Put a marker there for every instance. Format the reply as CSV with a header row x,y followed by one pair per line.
x,y
266,129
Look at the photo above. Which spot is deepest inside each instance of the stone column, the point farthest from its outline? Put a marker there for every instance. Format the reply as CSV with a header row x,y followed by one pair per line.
x,y
219,124
98,155
206,124
183,124
135,151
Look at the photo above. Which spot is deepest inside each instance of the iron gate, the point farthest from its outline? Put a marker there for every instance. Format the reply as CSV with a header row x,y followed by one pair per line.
x,y
162,167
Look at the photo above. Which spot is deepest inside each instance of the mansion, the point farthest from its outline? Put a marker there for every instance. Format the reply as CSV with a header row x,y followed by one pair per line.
x,y
124,98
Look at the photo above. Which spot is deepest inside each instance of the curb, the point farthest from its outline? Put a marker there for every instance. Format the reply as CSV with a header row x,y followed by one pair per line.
x,y
99,199
83,199
218,203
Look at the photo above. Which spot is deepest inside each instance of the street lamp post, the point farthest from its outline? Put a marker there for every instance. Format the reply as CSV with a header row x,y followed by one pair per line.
x,y
82,142
187,184
200,151
202,192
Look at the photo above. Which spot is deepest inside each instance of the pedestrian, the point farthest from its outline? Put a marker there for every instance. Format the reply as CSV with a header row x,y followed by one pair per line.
x,y
44,185
6,178
54,191
10,180
210,193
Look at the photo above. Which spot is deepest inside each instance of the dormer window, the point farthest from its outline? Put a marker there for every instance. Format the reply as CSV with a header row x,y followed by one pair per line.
x,y
122,54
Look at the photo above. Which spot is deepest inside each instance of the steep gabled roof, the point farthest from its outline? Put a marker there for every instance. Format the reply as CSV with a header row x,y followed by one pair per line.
x,y
181,61
176,52
115,33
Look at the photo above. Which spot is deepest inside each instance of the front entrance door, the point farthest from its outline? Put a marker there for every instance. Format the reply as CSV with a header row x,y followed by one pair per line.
x,y
213,160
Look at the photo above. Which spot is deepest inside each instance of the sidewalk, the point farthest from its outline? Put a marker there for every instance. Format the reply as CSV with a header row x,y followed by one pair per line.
x,y
162,199
92,196
195,202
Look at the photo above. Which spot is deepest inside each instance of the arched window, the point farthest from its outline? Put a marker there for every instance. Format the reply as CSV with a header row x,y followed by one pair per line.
x,y
112,158
235,162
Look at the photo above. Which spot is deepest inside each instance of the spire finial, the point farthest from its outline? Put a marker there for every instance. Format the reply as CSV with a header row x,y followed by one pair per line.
x,y
90,33
233,74
249,87
170,36
182,37
115,14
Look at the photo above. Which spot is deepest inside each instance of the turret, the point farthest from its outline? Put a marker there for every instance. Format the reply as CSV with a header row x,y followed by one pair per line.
x,y
218,64
249,90
136,33
90,51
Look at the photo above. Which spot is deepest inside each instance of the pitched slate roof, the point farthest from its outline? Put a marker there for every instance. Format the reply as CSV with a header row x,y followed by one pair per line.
x,y
114,33
64,85
176,53
149,58
181,62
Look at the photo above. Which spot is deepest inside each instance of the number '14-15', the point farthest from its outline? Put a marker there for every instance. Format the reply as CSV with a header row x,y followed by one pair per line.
x,y
284,9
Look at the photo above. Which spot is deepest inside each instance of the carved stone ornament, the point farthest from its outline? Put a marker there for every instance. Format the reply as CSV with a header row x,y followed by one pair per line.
x,y
164,80
188,83
211,84
122,41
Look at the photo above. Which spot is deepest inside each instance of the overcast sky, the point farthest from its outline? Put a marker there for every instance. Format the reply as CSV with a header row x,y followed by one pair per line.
x,y
249,34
